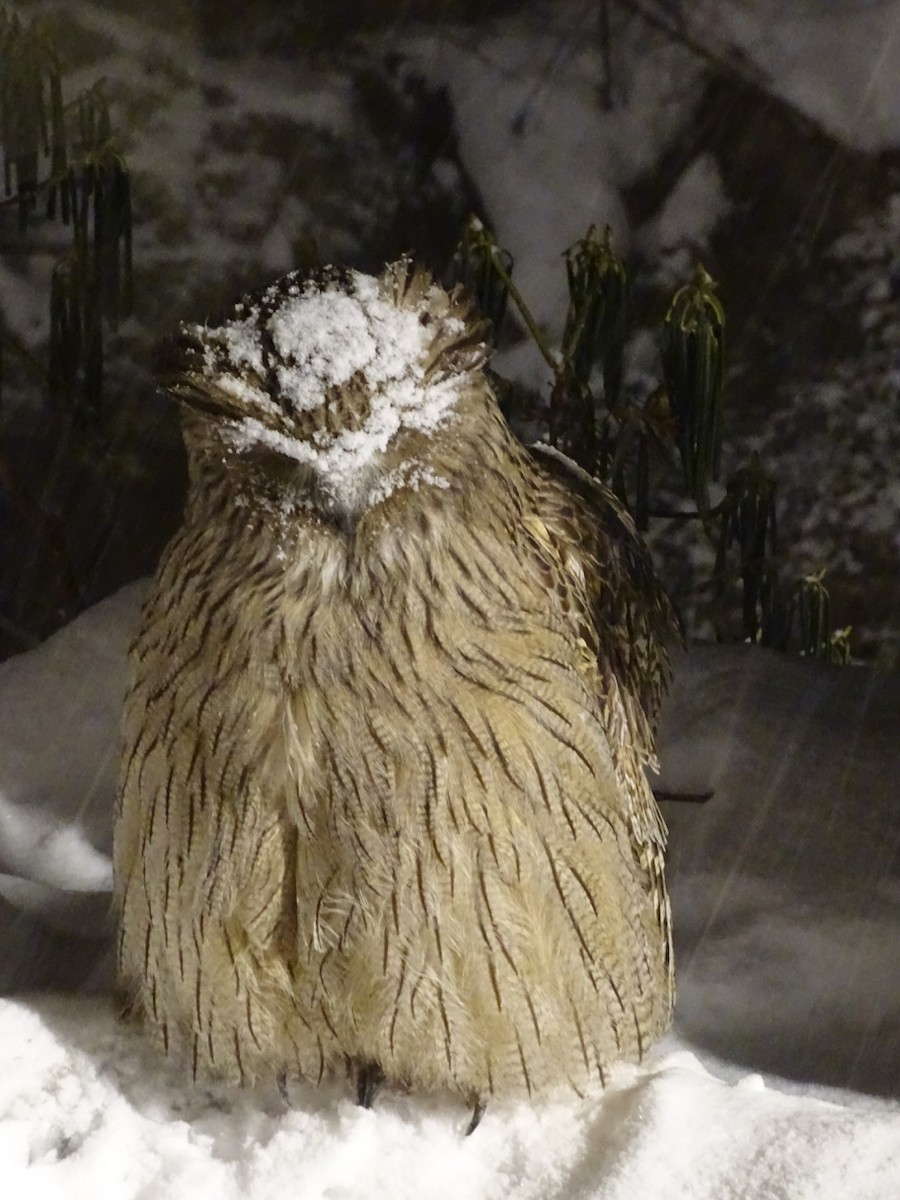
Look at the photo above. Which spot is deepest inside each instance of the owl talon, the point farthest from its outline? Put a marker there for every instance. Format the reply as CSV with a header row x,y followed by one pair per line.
x,y
281,1082
477,1114
369,1079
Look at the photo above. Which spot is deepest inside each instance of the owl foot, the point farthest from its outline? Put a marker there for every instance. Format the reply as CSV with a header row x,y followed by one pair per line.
x,y
369,1078
477,1114
281,1082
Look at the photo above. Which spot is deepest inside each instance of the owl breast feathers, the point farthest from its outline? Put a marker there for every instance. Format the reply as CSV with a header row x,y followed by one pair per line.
x,y
383,803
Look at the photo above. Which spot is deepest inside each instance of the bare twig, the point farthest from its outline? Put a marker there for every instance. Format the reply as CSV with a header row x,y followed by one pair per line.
x,y
678,32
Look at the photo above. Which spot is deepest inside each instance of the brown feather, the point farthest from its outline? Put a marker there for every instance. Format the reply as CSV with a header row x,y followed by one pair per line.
x,y
383,798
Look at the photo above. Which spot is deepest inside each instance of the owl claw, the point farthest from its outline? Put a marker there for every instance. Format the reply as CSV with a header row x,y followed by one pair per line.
x,y
281,1082
477,1114
369,1079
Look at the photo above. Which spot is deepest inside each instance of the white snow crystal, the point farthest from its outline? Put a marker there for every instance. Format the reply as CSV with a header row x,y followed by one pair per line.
x,y
409,475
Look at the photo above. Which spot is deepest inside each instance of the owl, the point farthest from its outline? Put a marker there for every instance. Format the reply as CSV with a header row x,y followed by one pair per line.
x,y
383,803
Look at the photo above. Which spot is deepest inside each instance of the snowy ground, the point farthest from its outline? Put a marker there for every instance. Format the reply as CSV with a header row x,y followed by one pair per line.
x,y
87,1112
787,1028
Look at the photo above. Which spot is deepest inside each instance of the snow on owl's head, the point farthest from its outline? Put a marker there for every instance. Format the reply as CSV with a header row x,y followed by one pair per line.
x,y
342,373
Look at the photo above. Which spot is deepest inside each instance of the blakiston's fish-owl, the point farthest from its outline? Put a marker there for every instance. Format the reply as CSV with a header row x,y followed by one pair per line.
x,y
383,802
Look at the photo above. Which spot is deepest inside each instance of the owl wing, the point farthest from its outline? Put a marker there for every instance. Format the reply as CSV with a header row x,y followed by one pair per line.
x,y
625,616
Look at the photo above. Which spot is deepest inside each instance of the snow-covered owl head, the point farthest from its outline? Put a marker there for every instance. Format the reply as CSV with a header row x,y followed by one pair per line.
x,y
341,373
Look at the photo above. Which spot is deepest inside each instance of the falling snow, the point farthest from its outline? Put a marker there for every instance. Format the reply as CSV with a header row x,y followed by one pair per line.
x,y
780,1077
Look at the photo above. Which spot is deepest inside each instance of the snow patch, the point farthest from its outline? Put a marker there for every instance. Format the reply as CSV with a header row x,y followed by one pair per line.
x,y
549,160
680,235
89,1108
412,476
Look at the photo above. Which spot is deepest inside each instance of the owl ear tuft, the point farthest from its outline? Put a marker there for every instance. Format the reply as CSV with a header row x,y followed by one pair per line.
x,y
460,341
407,283
456,351
180,360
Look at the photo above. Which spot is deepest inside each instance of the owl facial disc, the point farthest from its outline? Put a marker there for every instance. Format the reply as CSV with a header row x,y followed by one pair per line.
x,y
329,370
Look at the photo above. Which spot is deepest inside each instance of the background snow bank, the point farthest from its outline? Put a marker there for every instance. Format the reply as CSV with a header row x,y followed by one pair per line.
x,y
787,943
548,160
836,62
785,885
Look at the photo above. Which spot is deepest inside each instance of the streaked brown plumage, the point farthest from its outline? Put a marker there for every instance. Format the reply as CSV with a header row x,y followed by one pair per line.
x,y
383,801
